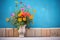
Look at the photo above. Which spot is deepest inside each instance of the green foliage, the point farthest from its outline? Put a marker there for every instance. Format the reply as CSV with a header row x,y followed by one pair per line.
x,y
14,21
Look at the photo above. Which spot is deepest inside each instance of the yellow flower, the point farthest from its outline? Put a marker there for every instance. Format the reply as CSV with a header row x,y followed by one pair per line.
x,y
34,11
7,19
24,19
20,14
19,19
31,17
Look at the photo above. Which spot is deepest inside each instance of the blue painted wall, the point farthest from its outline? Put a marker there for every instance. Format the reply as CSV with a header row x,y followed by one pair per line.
x,y
47,12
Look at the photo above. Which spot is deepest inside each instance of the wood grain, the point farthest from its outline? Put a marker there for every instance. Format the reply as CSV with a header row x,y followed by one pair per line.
x,y
53,32
44,33
30,33
10,32
13,32
38,33
58,30
1,32
6,32
48,33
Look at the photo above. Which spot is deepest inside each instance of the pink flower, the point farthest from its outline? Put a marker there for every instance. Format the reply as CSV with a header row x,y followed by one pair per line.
x,y
12,14
22,9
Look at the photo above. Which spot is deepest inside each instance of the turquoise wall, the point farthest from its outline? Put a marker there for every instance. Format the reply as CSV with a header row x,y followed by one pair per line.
x,y
47,12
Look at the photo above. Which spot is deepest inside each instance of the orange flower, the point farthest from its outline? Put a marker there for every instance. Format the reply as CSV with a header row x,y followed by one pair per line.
x,y
31,17
24,19
19,19
20,14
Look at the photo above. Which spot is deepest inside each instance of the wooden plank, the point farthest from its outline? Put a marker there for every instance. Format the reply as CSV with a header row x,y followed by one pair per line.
x,y
48,32
6,32
38,32
53,32
2,32
10,32
58,33
15,32
30,33
44,32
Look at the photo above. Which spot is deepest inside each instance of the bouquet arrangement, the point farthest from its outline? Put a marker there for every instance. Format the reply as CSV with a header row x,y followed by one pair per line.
x,y
20,18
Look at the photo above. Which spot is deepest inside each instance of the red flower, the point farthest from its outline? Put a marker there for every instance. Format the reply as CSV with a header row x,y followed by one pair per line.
x,y
24,14
28,14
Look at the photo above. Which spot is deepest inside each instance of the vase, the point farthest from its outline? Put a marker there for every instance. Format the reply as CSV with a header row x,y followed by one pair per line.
x,y
22,31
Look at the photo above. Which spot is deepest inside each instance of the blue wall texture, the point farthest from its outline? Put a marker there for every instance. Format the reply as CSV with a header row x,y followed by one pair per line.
x,y
47,13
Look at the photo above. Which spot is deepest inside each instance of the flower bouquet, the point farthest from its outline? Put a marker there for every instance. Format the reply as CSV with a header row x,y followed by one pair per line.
x,y
21,19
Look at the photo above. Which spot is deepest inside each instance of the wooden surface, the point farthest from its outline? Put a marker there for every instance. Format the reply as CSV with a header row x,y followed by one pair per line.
x,y
13,32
